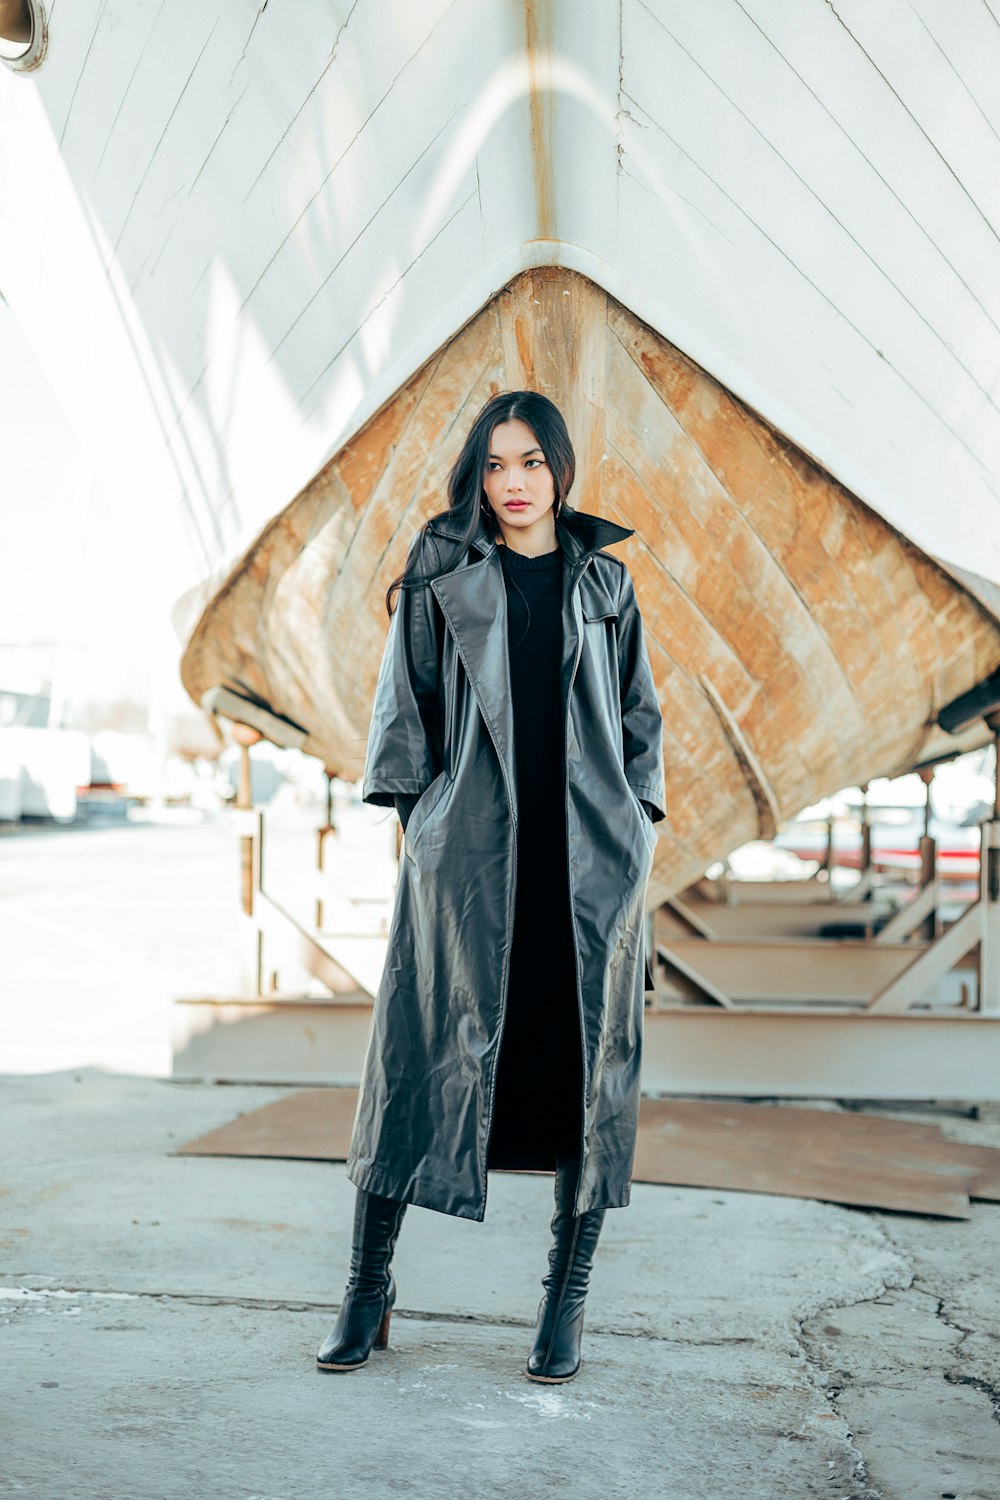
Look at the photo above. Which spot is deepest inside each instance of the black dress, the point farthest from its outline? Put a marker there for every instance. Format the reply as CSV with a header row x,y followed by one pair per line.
x,y
537,1107
539,1083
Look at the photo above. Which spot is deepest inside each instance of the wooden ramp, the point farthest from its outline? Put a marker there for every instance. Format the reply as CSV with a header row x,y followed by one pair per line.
x,y
865,1161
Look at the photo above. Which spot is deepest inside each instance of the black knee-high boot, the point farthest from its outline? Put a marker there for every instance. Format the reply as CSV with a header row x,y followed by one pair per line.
x,y
363,1321
555,1356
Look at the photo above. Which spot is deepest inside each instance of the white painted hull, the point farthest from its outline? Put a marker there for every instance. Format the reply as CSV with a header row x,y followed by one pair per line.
x,y
232,232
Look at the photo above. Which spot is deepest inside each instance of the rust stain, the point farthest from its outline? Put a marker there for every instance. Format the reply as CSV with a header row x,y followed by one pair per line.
x,y
257,1227
54,1190
522,335
41,1195
538,49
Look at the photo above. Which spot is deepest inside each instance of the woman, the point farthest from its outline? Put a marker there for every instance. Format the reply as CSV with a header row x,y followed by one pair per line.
x,y
516,730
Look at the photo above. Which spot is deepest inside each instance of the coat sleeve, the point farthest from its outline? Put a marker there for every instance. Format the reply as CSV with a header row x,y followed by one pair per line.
x,y
404,744
642,719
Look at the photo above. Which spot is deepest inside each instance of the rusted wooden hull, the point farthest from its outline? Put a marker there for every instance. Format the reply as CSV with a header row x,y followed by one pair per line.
x,y
799,643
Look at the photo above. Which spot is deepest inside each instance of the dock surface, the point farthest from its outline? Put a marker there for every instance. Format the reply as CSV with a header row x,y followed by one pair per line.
x,y
161,1316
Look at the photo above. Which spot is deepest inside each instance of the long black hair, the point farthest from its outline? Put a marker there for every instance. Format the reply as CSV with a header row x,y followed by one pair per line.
x,y
466,495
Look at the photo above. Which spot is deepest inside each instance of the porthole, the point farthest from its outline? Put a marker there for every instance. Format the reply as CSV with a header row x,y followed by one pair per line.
x,y
23,34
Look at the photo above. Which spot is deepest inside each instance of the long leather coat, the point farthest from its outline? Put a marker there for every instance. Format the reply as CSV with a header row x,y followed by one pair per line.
x,y
442,727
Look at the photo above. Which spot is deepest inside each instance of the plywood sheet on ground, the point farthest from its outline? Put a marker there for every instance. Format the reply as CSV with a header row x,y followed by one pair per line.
x,y
864,1160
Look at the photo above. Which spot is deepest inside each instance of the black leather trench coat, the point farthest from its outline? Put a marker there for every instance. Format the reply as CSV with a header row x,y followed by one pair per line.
x,y
442,727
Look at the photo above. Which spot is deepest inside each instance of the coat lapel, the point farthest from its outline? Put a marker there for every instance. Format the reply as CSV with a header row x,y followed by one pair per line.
x,y
473,600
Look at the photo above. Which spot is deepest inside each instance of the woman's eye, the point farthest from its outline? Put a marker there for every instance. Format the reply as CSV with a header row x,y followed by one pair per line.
x,y
536,460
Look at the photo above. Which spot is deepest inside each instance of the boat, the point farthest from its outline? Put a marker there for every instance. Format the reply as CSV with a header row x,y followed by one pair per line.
x,y
272,264
798,642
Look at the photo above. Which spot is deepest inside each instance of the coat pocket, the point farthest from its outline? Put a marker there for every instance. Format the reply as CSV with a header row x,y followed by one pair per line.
x,y
649,832
422,808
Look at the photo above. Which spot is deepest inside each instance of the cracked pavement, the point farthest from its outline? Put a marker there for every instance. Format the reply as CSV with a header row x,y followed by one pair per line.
x,y
161,1315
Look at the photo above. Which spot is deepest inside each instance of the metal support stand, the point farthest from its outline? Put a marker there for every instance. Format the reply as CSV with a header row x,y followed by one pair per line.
x,y
872,976
813,1027
326,828
920,917
829,855
989,893
862,891
927,849
251,952
980,924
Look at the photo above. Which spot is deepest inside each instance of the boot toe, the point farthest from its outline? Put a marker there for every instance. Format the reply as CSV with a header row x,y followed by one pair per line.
x,y
550,1373
324,1362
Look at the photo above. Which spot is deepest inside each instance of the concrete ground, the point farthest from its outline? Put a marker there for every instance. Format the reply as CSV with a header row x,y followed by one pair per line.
x,y
161,1313
161,1316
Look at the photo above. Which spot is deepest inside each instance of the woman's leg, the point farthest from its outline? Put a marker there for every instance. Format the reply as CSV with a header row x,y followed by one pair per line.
x,y
363,1321
555,1356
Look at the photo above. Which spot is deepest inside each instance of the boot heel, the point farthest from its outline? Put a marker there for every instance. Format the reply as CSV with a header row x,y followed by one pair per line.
x,y
382,1337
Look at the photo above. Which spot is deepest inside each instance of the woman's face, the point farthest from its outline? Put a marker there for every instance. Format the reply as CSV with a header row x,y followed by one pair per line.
x,y
518,482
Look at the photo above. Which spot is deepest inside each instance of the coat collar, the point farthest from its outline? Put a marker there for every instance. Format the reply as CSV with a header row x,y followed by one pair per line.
x,y
580,532
473,599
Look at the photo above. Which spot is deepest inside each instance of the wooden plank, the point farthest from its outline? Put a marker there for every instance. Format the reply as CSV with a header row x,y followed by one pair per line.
x,y
797,1052
838,1157
797,1153
810,891
307,1125
290,1040
910,1144
833,969
716,919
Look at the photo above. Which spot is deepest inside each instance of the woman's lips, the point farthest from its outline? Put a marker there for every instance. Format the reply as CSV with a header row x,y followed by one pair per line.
x,y
515,504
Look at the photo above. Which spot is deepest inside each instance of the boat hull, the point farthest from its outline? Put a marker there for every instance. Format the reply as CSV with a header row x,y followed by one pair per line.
x,y
799,643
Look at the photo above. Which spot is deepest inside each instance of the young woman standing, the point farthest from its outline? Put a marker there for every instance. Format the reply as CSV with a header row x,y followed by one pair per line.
x,y
517,731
